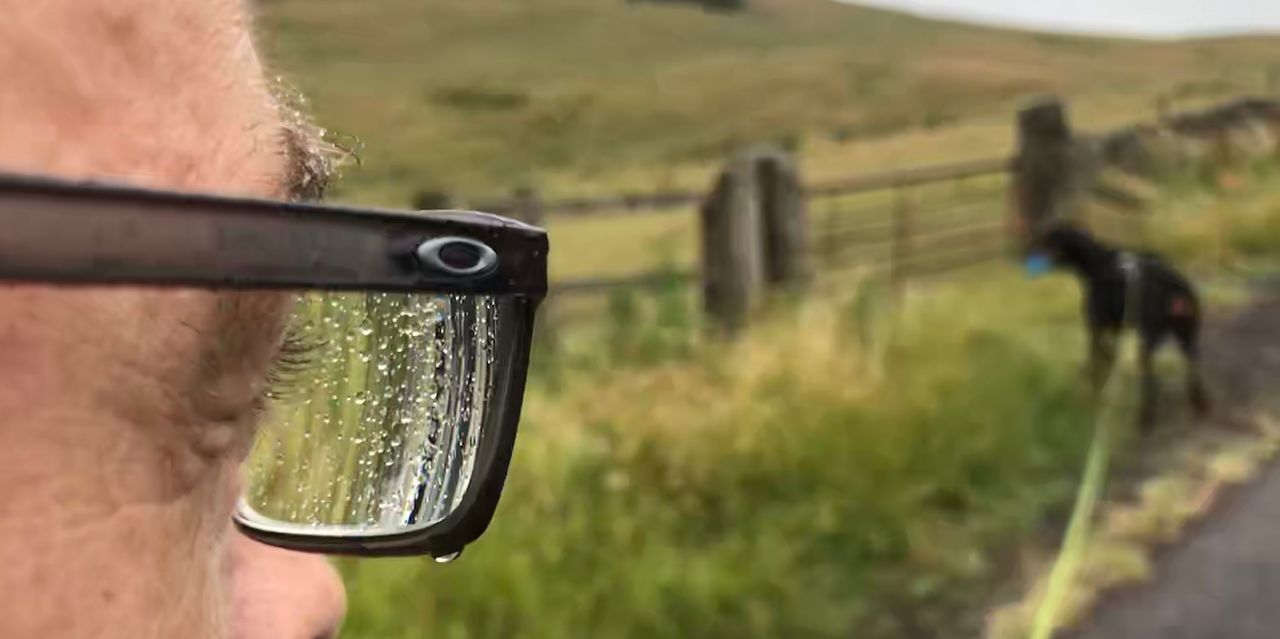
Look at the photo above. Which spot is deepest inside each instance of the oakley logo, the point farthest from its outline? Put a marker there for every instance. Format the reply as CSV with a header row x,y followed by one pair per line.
x,y
459,256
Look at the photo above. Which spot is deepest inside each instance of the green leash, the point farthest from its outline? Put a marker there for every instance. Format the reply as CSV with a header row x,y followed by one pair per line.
x,y
1094,478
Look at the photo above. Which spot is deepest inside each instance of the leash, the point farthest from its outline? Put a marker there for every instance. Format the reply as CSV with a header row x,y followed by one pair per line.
x,y
1095,472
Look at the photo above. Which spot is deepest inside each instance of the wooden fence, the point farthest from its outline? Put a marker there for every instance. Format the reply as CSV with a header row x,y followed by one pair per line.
x,y
764,229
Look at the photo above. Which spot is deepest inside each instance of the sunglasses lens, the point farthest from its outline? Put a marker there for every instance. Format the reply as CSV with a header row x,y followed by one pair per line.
x,y
377,413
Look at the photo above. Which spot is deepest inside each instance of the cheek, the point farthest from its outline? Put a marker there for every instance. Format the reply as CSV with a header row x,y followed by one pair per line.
x,y
229,382
182,369
110,352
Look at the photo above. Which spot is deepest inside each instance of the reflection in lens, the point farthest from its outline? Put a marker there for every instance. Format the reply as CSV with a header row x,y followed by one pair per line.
x,y
374,425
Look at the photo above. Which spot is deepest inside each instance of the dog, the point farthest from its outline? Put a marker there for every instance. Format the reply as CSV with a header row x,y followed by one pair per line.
x,y
1161,304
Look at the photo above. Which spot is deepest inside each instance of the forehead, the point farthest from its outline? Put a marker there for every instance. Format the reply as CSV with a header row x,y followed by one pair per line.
x,y
161,94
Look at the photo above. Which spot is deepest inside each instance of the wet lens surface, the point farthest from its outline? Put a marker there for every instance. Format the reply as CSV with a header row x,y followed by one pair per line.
x,y
375,416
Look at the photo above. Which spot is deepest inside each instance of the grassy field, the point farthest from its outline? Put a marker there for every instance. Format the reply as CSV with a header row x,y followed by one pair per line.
x,y
589,95
835,472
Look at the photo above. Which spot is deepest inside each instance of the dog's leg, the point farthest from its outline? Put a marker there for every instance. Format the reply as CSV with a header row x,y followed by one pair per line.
x,y
1150,386
1102,356
1187,333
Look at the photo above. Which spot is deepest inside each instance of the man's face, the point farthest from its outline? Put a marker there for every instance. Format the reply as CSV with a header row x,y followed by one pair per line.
x,y
125,413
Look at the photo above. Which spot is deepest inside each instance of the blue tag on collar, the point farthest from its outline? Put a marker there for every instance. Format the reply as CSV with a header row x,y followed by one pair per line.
x,y
1038,264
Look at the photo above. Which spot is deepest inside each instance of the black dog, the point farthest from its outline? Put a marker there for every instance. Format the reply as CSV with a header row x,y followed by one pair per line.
x,y
1164,304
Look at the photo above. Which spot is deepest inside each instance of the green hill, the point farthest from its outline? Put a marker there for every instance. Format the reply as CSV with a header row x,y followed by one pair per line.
x,y
477,96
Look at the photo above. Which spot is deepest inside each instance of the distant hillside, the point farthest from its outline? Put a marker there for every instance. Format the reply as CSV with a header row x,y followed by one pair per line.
x,y
478,95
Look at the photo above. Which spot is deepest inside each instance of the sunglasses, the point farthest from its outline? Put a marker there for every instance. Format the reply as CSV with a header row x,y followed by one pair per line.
x,y
407,352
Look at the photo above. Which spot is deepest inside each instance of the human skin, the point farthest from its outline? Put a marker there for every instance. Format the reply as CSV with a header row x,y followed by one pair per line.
x,y
125,413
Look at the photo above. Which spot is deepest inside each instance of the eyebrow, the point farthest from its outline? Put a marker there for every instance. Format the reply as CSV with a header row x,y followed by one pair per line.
x,y
310,162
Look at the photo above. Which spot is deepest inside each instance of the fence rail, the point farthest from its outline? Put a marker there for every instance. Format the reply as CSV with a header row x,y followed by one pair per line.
x,y
641,203
603,284
648,203
913,177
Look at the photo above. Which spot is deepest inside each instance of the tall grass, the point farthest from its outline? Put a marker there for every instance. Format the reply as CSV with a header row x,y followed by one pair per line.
x,y
781,486
1231,221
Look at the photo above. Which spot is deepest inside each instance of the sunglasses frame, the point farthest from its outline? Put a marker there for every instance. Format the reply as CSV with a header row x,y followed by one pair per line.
x,y
90,233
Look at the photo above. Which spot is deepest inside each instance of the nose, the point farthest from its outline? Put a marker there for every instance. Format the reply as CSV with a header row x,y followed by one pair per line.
x,y
278,594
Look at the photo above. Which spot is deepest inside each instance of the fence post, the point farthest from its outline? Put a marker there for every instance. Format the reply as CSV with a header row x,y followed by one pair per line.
x,y
1047,173
900,248
788,262
733,269
530,210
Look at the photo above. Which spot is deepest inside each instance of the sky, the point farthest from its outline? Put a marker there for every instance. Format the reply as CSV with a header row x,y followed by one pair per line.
x,y
1159,18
